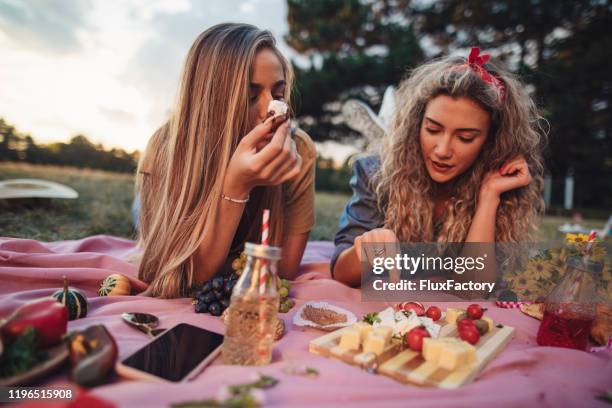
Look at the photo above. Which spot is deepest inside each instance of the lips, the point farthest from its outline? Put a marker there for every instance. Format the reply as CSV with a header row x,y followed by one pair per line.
x,y
441,167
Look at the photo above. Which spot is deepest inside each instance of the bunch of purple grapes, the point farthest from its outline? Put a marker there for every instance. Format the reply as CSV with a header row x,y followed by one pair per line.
x,y
214,296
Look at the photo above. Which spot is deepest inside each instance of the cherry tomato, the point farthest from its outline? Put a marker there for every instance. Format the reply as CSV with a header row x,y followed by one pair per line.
x,y
434,313
418,308
464,323
414,338
470,334
475,311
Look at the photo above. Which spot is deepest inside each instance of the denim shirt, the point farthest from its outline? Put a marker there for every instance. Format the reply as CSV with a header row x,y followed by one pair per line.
x,y
361,213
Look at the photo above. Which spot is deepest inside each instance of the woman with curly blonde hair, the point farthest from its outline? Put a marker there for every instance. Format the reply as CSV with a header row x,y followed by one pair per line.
x,y
462,162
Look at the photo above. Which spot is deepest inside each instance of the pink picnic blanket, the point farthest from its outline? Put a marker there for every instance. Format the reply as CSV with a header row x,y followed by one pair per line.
x,y
523,375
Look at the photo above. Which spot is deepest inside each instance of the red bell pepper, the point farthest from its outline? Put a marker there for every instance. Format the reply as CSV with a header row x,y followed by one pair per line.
x,y
47,316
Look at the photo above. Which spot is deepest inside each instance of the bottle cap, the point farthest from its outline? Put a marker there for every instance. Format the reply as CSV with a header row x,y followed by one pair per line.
x,y
262,251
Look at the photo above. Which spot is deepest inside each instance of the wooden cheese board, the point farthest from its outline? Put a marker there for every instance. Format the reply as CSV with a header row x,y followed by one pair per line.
x,y
408,366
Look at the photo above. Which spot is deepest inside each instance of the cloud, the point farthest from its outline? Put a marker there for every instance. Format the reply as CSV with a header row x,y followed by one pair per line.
x,y
118,115
155,67
45,26
107,69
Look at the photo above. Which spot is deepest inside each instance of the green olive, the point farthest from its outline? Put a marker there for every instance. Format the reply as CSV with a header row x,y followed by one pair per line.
x,y
482,326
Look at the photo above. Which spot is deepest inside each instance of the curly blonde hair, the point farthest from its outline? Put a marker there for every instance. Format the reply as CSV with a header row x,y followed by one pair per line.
x,y
404,188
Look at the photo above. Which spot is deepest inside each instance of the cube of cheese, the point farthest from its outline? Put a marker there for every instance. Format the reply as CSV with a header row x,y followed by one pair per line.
x,y
385,331
448,353
351,339
489,322
364,329
453,356
432,347
452,314
374,343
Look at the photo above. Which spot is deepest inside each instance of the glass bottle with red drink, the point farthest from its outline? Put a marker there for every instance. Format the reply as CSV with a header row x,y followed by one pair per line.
x,y
570,308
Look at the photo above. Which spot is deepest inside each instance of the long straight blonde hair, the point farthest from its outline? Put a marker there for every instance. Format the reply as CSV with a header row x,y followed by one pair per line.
x,y
404,189
184,165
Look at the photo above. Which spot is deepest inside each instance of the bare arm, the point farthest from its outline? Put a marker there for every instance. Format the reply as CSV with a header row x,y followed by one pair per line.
x,y
482,231
346,269
276,163
212,253
293,250
512,175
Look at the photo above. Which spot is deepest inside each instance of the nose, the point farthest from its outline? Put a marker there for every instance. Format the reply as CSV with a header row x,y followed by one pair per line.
x,y
443,148
262,105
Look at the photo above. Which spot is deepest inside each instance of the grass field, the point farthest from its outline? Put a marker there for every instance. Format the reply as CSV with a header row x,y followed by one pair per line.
x,y
103,207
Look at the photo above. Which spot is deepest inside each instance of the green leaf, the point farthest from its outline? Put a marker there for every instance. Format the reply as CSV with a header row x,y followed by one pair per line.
x,y
371,318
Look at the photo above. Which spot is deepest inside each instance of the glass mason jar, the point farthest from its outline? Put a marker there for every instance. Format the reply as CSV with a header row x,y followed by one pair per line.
x,y
571,307
251,317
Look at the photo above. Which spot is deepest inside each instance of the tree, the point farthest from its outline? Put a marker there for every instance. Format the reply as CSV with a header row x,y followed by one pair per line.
x,y
561,48
8,139
79,152
355,49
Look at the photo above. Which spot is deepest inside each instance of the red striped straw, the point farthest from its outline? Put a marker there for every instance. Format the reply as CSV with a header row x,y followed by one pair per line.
x,y
265,228
265,240
589,247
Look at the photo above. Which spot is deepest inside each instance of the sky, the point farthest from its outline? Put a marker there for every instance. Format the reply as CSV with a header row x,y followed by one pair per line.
x,y
109,69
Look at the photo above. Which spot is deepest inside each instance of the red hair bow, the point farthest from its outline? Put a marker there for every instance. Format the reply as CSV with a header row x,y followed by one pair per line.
x,y
476,62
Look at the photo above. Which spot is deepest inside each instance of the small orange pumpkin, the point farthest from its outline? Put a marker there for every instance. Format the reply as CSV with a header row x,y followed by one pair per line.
x,y
115,285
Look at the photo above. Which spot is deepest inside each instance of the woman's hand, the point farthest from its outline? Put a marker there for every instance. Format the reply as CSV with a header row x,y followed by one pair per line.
x,y
250,166
378,243
512,175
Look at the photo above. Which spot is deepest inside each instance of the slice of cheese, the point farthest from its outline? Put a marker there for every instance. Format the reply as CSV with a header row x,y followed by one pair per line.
x,y
374,343
448,353
489,322
432,347
452,314
457,355
385,331
351,339
364,329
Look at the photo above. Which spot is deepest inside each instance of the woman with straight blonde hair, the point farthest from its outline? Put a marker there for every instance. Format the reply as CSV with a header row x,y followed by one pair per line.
x,y
208,173
462,163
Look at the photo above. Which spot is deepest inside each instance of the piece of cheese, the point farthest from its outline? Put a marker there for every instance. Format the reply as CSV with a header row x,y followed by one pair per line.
x,y
385,318
374,343
432,328
385,331
489,322
364,329
351,339
277,108
432,347
448,353
454,356
452,314
402,327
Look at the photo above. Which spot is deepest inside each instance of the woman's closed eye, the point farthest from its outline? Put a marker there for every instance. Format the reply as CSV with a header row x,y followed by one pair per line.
x,y
432,130
467,139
